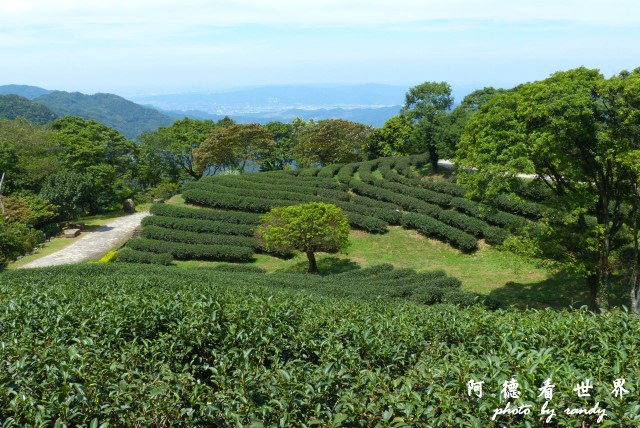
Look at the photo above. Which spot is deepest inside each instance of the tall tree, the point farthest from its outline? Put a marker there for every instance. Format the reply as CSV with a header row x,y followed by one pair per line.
x,y
101,154
171,148
571,130
427,105
457,119
29,153
285,136
331,141
393,139
234,146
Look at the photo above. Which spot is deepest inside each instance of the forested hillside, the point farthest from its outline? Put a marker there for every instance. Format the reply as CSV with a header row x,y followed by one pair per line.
x,y
14,106
125,116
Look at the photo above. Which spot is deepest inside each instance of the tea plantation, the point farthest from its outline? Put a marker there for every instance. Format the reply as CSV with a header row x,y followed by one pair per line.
x,y
224,210
134,345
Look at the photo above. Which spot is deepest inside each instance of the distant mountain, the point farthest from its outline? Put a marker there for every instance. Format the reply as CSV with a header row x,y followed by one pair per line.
x,y
279,98
375,117
129,118
14,106
29,92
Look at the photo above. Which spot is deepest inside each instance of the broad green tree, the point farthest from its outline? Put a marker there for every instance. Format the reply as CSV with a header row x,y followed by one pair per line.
x,y
331,141
72,192
457,119
571,130
169,151
393,139
308,228
102,155
426,105
28,154
234,146
285,136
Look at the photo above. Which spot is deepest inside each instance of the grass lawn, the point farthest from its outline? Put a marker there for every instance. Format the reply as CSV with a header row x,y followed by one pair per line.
x,y
490,272
501,275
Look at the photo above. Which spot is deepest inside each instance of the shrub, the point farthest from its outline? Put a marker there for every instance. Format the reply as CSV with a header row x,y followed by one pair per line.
x,y
182,251
164,234
129,255
225,216
436,229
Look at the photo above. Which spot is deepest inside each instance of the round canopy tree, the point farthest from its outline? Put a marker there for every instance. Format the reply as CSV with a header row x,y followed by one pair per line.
x,y
309,228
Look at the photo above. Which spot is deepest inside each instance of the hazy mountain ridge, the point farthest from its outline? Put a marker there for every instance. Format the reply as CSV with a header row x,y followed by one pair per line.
x,y
279,98
371,104
26,91
369,116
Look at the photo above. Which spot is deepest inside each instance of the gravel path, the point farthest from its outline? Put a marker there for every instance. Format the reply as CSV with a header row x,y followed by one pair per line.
x,y
93,244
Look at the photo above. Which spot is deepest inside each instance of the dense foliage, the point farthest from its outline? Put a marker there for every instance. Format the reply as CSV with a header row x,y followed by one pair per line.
x,y
125,116
14,106
158,346
308,228
578,133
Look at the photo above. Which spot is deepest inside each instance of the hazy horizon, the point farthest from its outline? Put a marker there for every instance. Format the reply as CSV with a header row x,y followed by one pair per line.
x,y
161,46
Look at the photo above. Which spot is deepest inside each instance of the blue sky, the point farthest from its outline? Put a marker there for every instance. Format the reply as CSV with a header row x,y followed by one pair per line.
x,y
138,47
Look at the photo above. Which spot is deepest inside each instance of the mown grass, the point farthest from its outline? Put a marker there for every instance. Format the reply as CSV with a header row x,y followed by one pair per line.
x,y
490,272
504,276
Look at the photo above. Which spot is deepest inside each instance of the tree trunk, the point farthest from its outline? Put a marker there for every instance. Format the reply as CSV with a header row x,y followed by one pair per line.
x,y
634,279
433,158
313,267
4,210
592,283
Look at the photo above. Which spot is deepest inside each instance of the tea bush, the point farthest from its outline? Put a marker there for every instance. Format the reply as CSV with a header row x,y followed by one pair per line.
x,y
134,345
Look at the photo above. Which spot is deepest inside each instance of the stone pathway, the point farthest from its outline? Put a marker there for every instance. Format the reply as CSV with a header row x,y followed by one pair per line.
x,y
93,244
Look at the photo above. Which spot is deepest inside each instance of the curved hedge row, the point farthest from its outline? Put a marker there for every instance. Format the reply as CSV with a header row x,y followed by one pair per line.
x,y
516,205
368,223
173,235
389,216
272,177
129,255
218,190
230,201
182,251
226,216
500,218
346,172
474,226
197,225
436,229
329,171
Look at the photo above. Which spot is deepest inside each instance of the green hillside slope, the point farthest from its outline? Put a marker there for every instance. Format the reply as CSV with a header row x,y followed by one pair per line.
x,y
14,106
129,118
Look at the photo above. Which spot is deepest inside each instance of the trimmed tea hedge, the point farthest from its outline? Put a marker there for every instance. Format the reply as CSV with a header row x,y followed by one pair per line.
x,y
129,255
225,216
182,251
128,346
164,234
196,225
436,229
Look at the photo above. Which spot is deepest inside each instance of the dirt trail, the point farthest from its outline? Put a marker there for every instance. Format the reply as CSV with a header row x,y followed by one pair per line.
x,y
93,244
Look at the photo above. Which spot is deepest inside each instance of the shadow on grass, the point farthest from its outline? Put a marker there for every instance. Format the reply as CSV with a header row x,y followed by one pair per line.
x,y
326,266
559,291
